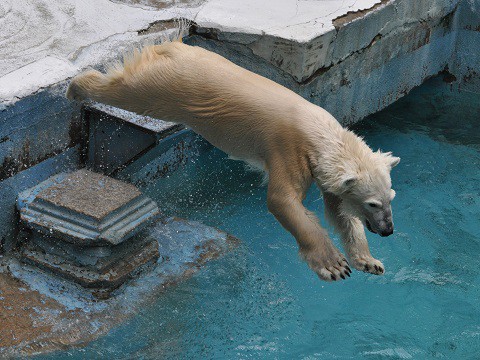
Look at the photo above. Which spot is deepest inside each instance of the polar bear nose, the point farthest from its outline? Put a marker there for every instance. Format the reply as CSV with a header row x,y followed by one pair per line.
x,y
388,230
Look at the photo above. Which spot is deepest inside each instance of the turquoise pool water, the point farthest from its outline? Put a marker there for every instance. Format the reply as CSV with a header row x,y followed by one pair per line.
x,y
262,301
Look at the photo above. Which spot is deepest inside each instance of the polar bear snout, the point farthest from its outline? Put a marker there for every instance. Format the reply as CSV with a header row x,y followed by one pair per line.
x,y
388,230
383,227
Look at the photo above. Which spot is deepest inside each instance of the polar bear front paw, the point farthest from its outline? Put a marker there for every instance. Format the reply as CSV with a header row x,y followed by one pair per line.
x,y
329,265
368,264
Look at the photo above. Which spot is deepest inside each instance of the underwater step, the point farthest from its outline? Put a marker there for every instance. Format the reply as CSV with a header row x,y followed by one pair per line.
x,y
89,228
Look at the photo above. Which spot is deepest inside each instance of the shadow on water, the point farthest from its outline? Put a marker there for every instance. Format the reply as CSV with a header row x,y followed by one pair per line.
x,y
434,109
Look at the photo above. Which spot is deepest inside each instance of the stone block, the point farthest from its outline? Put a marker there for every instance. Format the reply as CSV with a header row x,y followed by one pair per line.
x,y
117,137
86,208
89,228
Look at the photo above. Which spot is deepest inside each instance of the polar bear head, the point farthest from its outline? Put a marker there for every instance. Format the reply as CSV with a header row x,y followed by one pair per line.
x,y
367,194
361,179
366,191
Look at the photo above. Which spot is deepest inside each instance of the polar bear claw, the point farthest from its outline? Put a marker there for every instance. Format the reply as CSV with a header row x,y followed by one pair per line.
x,y
369,265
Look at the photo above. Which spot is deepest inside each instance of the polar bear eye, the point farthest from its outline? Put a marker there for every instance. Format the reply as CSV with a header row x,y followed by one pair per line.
x,y
373,205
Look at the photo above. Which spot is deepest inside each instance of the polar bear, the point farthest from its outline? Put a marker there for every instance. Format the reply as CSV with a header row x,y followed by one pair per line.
x,y
257,120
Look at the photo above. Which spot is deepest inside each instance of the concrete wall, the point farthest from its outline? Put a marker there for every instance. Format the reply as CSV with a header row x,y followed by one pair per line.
x,y
466,52
359,67
39,136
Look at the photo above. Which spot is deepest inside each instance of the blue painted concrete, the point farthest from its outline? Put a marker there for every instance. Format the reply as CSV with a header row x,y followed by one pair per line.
x,y
36,128
11,187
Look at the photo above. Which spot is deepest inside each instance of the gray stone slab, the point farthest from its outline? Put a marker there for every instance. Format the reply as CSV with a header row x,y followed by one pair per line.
x,y
142,121
101,281
89,193
86,208
116,137
88,228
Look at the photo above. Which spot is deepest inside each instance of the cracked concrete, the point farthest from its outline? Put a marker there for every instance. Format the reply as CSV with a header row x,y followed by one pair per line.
x,y
353,15
371,58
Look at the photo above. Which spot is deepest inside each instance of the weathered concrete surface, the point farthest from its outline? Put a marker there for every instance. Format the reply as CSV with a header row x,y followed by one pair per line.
x,y
116,269
40,313
300,21
89,228
160,161
40,136
358,67
37,128
89,193
161,4
52,40
12,186
141,121
44,42
117,137
26,314
467,56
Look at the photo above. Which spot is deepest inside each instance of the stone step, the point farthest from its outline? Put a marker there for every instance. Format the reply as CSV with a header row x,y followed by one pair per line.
x,y
89,228
118,137
136,148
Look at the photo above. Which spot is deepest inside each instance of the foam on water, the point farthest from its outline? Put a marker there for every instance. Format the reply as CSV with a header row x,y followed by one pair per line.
x,y
262,301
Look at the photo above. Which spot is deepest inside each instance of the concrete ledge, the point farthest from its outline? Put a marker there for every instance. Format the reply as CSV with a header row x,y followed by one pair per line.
x,y
117,137
364,62
146,123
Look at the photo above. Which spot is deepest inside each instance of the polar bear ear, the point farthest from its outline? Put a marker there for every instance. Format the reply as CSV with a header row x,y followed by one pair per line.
x,y
394,161
390,160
